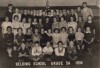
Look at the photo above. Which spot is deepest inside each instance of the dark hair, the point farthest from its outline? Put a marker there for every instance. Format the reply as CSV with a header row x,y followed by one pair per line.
x,y
69,28
16,16
10,5
63,28
37,42
56,29
49,29
19,29
9,27
60,42
84,3
61,17
27,29
72,17
81,17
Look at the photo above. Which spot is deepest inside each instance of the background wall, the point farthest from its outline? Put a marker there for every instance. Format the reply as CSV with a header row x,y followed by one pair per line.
x,y
43,2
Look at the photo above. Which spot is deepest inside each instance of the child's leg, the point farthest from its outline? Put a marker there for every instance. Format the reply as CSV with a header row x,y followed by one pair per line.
x,y
9,50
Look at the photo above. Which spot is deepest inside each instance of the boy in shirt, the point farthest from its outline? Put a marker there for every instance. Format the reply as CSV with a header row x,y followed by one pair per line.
x,y
48,50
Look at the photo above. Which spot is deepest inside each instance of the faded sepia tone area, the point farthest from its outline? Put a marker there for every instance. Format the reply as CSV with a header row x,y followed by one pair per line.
x,y
90,61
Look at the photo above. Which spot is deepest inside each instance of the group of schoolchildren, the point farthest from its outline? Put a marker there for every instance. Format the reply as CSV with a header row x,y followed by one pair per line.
x,y
49,34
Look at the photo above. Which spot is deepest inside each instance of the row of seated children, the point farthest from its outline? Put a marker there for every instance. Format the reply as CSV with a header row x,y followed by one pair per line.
x,y
81,41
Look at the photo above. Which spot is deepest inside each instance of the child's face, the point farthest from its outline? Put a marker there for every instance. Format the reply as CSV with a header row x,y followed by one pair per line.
x,y
10,7
84,5
72,10
42,30
70,30
35,20
48,43
29,20
36,44
60,44
80,18
63,30
31,12
25,11
60,11
16,18
79,9
79,29
89,18
49,31
36,30
19,31
24,20
6,19
29,30
54,20
56,31
28,11
40,20
62,19
16,10
71,18
47,19
9,30
68,11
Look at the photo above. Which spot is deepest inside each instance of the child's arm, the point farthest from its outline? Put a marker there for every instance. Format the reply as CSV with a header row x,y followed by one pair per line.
x,y
91,40
86,41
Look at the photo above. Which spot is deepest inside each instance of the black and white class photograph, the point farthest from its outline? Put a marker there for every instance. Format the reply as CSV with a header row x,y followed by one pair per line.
x,y
49,34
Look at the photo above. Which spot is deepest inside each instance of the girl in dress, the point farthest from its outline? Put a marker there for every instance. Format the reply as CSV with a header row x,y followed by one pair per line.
x,y
55,24
62,23
24,25
9,40
36,36
72,23
64,36
79,36
60,51
34,24
19,38
80,23
15,24
71,34
74,15
90,23
17,13
4,25
88,39
28,38
56,37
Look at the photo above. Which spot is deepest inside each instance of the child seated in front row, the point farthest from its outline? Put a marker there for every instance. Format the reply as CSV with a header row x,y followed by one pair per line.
x,y
36,52
23,53
48,50
72,53
59,51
